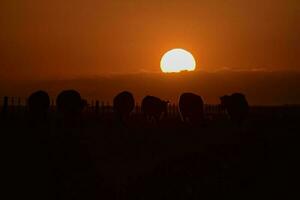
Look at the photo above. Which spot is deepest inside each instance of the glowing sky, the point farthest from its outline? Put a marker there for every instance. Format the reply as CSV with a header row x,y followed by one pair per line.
x,y
73,38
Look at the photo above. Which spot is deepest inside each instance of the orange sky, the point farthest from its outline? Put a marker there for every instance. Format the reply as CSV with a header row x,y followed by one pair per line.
x,y
51,39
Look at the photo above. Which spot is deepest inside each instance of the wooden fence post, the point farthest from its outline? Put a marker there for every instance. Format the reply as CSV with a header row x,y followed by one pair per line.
x,y
172,110
5,107
108,110
137,109
12,101
102,107
12,106
92,106
19,106
97,107
19,101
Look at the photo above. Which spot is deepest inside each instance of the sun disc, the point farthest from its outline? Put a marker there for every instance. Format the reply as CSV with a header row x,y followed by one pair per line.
x,y
177,60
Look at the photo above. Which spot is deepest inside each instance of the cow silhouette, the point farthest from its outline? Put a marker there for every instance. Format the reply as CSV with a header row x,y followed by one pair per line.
x,y
191,107
154,107
123,105
38,104
69,103
236,106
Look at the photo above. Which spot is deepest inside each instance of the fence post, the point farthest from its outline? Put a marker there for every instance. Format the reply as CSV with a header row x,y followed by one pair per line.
x,y
19,101
5,107
102,107
19,105
52,108
12,106
92,106
136,108
108,107
169,109
97,107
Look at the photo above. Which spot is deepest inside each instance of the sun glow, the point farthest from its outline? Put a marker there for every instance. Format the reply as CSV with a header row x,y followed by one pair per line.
x,y
177,60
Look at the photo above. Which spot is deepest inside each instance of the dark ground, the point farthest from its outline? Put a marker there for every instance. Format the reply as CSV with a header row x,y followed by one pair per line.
x,y
95,157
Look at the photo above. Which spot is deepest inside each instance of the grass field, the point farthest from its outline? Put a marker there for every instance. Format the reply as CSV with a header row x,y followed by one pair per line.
x,y
96,157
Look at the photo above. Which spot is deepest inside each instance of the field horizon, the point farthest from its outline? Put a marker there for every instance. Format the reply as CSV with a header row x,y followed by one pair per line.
x,y
261,87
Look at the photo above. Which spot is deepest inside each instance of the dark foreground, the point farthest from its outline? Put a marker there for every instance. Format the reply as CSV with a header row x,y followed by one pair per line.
x,y
96,157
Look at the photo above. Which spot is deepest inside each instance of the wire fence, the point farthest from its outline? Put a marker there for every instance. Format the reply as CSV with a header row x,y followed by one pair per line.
x,y
18,104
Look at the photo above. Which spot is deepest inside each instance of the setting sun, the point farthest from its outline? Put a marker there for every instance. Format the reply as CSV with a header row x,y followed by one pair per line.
x,y
177,60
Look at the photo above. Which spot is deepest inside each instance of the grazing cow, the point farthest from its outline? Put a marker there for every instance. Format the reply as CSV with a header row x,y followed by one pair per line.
x,y
69,103
236,106
191,107
123,104
38,104
153,107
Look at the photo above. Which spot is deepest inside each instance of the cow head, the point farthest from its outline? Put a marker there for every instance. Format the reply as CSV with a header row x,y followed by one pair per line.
x,y
225,100
69,103
39,103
